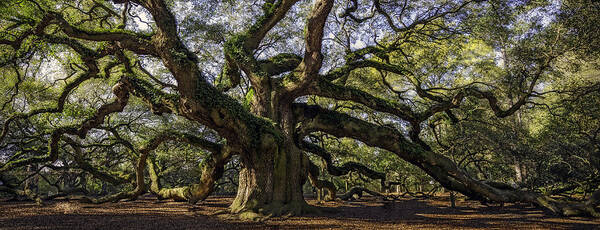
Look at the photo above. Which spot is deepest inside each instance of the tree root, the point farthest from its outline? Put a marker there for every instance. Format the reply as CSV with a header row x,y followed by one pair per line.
x,y
27,194
359,191
131,195
270,211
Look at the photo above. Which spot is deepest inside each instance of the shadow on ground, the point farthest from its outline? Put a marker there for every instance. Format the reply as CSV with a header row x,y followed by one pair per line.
x,y
148,213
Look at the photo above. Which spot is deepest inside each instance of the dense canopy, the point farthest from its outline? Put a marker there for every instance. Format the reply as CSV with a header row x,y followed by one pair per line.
x,y
496,100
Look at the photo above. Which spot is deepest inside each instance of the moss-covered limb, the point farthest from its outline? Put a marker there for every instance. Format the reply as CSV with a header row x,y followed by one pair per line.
x,y
327,89
307,71
239,49
94,171
243,57
229,118
20,194
27,194
121,90
65,193
439,167
230,75
443,104
151,76
89,58
345,168
140,167
37,28
51,156
313,177
342,125
469,91
493,100
198,99
212,169
280,63
158,100
156,187
368,63
59,105
136,42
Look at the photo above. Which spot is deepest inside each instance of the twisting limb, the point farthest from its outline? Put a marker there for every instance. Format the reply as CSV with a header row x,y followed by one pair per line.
x,y
86,166
212,169
331,90
122,93
273,12
140,167
89,57
280,63
359,192
345,168
313,177
422,20
312,61
437,166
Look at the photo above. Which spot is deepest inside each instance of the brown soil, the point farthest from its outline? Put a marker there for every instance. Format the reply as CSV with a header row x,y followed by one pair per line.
x,y
148,213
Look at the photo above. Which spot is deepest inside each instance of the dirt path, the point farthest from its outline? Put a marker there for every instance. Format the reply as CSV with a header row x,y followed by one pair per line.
x,y
148,213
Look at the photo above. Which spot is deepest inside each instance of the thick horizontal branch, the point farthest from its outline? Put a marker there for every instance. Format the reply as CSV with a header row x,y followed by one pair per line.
x,y
280,63
86,166
345,168
439,167
327,89
137,42
212,168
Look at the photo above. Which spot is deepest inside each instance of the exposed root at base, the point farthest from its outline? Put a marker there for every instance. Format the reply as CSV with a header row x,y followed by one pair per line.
x,y
272,210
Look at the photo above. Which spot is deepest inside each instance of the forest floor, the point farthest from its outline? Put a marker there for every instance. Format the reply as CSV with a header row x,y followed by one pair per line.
x,y
149,213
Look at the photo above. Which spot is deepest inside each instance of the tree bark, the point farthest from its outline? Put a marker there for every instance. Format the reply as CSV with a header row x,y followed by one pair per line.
x,y
270,180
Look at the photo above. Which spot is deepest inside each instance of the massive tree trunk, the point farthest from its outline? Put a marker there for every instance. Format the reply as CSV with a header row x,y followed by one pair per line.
x,y
271,180
272,174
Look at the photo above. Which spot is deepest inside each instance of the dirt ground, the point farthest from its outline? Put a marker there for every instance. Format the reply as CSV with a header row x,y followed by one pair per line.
x,y
148,213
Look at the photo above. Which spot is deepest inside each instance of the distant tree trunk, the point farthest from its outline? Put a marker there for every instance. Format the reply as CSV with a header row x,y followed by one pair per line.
x,y
346,188
31,184
518,172
452,199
